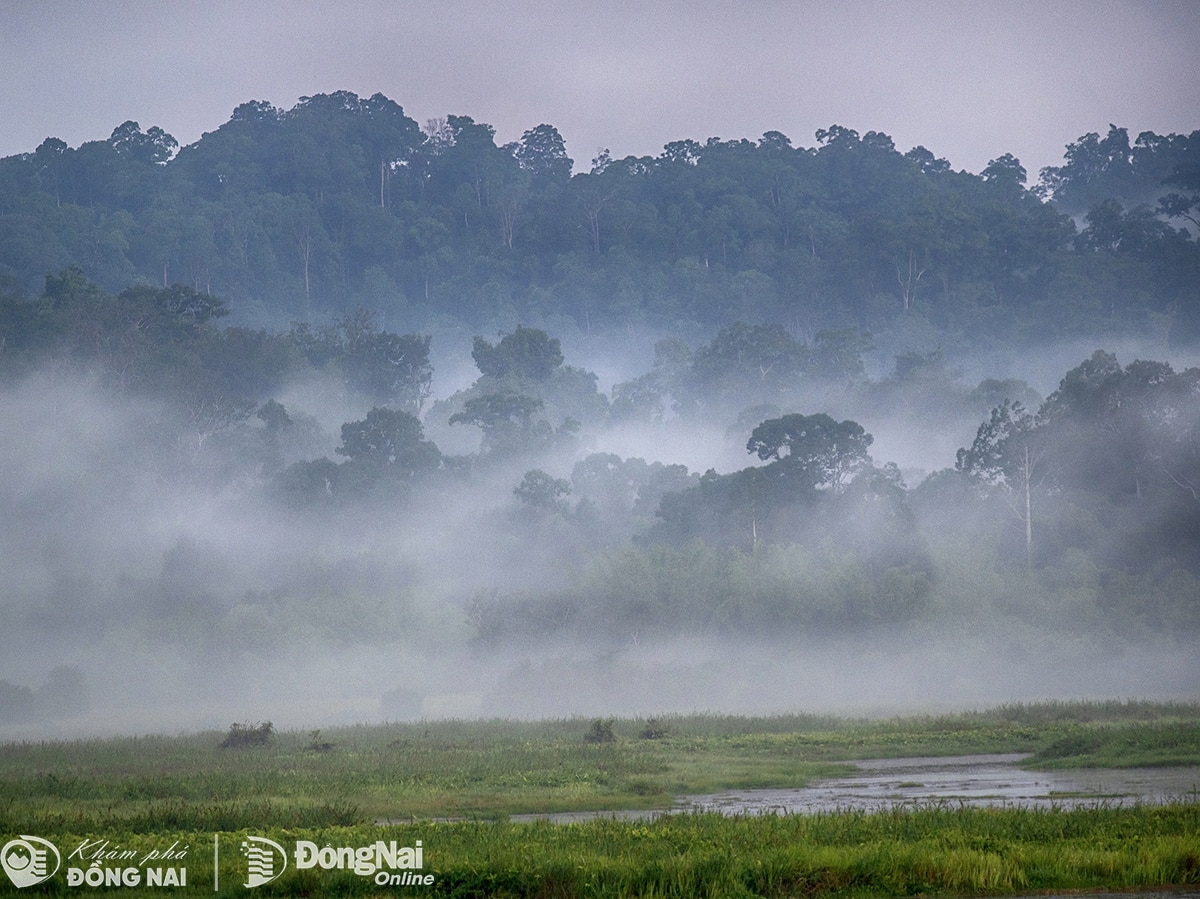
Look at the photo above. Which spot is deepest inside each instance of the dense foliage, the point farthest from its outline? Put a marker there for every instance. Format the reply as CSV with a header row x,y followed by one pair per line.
x,y
341,202
1080,509
341,491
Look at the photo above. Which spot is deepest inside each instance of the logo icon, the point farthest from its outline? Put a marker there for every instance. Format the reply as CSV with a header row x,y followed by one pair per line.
x,y
266,860
26,860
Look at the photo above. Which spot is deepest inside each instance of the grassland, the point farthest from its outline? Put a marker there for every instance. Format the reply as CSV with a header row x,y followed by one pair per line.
x,y
934,851
490,769
334,787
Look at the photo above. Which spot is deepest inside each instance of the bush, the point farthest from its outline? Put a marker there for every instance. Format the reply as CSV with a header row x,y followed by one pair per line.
x,y
601,731
241,735
316,744
654,730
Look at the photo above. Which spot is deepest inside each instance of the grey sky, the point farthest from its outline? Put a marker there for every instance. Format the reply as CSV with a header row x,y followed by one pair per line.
x,y
969,80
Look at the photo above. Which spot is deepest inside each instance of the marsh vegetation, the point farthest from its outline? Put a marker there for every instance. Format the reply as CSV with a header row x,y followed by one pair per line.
x,y
416,776
489,769
334,418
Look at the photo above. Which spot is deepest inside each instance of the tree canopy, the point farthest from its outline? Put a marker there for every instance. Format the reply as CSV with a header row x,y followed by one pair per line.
x,y
345,202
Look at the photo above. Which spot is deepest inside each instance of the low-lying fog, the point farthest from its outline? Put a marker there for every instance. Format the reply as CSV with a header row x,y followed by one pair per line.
x,y
139,598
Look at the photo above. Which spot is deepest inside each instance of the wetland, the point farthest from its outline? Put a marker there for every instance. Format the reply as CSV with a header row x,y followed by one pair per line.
x,y
1016,799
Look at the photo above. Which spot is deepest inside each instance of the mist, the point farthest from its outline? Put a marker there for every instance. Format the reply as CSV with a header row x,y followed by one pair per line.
x,y
155,581
334,416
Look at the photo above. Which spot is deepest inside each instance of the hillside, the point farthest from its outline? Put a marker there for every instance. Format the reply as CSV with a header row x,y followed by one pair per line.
x,y
343,202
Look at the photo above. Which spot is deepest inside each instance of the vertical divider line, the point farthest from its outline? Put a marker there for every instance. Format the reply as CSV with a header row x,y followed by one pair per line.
x,y
216,862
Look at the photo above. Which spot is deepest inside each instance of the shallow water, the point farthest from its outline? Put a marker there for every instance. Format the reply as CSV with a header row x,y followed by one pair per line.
x,y
975,780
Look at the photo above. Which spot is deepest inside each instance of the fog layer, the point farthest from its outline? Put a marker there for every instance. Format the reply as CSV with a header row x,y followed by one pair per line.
x,y
157,580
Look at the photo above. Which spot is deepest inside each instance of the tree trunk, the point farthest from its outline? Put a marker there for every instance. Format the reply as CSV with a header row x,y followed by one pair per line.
x,y
1028,508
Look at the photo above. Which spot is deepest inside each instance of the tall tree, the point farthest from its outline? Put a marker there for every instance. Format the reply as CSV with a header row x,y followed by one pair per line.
x,y
393,369
1009,454
526,353
543,153
813,451
388,442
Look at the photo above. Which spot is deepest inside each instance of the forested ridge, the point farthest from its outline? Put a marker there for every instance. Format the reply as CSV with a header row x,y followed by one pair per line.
x,y
342,202
221,425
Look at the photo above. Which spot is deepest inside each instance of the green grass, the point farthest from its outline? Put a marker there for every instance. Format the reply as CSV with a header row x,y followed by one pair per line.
x,y
1136,745
447,769
145,792
931,851
495,768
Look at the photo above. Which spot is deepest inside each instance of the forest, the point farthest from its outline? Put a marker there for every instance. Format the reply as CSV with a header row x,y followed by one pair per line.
x,y
343,202
309,386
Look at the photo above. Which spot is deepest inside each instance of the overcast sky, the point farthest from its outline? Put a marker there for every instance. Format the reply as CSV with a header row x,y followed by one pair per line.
x,y
968,80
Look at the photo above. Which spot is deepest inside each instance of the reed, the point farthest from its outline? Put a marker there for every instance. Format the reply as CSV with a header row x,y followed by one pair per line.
x,y
930,851
496,768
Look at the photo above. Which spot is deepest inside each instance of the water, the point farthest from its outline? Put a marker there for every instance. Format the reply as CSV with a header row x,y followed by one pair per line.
x,y
975,780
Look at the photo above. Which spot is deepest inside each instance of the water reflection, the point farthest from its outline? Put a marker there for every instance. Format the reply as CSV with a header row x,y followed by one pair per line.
x,y
976,780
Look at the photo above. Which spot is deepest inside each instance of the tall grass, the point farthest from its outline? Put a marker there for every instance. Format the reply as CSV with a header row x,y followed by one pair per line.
x,y
900,852
148,791
1135,745
495,768
935,850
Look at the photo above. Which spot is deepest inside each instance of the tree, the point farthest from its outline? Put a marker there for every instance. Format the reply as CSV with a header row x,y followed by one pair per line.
x,y
543,153
145,336
308,481
755,362
506,419
926,162
608,481
1186,177
1006,171
1111,426
293,225
647,397
1096,168
51,157
1110,168
1008,453
508,195
275,421
174,313
388,442
154,147
543,492
814,451
594,191
392,369
302,213
392,138
464,170
206,411
837,356
526,353
721,510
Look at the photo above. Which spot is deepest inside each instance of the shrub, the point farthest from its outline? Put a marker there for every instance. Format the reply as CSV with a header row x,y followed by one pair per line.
x,y
654,730
601,731
241,735
316,744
